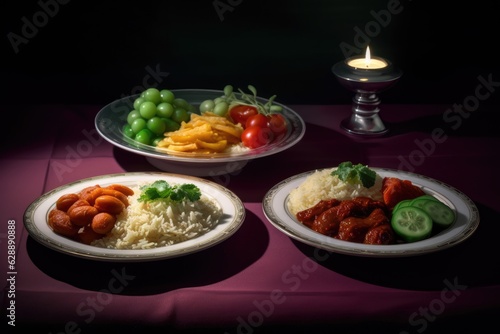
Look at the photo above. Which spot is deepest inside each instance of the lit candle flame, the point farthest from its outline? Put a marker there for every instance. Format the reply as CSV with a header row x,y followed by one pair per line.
x,y
367,56
367,62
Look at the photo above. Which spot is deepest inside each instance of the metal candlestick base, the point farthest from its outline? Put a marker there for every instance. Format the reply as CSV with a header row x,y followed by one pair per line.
x,y
365,119
366,83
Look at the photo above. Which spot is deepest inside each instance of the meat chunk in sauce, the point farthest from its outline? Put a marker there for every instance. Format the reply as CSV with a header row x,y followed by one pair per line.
x,y
361,220
380,235
328,221
308,216
355,229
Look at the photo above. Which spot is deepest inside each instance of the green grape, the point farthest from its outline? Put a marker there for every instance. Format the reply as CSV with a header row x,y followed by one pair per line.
x,y
164,110
156,141
228,90
153,95
181,103
147,109
134,114
192,109
127,131
138,124
221,108
180,115
144,136
207,105
167,96
219,100
137,102
156,125
171,125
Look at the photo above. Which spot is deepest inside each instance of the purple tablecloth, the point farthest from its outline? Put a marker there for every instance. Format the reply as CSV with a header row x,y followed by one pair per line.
x,y
259,278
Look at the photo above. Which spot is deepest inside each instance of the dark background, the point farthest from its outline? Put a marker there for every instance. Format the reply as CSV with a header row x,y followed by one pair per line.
x,y
95,52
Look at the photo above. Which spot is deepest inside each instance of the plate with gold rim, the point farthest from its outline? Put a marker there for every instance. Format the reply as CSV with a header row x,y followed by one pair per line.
x,y
233,215
275,207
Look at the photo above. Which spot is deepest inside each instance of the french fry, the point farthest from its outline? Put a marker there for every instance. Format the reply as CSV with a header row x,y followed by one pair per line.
x,y
231,130
183,148
203,132
207,133
218,146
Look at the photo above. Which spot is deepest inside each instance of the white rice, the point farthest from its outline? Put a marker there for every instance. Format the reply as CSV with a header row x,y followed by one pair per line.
x,y
144,225
320,185
236,148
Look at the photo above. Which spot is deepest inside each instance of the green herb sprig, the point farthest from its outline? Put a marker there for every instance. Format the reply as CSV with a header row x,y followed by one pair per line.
x,y
160,189
250,100
355,174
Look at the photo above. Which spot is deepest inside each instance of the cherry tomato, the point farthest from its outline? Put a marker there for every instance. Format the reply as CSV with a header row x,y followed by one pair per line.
x,y
240,113
256,136
259,120
277,124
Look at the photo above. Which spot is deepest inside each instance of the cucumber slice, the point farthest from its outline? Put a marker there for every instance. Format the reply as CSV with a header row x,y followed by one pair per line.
x,y
401,204
439,212
411,223
420,201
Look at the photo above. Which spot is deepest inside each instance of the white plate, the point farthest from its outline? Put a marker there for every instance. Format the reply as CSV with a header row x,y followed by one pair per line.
x,y
276,211
110,120
35,219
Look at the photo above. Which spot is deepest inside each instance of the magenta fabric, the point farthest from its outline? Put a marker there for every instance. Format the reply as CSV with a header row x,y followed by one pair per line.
x,y
259,278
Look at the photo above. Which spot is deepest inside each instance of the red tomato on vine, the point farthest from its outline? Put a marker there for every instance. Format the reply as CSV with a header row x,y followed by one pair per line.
x,y
240,113
277,124
259,120
256,136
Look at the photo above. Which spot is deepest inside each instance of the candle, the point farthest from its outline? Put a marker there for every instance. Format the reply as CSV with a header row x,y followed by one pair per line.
x,y
366,77
367,62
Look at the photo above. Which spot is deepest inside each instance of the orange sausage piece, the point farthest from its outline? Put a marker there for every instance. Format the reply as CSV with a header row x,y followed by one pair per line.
x,y
109,204
61,224
87,235
111,192
103,222
121,188
86,194
82,215
80,202
65,201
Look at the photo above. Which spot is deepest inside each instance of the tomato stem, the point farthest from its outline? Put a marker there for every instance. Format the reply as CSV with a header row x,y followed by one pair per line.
x,y
251,100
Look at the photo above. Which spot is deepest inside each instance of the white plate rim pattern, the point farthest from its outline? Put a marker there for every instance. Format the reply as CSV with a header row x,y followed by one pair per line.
x,y
35,219
275,209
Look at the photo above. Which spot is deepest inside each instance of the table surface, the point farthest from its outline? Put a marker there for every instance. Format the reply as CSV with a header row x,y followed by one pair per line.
x,y
259,278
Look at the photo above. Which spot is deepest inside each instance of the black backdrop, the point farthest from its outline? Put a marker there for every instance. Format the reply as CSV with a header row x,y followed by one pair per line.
x,y
80,52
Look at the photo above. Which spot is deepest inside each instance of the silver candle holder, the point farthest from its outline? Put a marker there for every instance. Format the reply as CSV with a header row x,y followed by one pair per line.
x,y
366,81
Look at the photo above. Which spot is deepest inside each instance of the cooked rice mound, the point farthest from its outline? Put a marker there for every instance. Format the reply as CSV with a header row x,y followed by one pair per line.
x,y
144,225
320,185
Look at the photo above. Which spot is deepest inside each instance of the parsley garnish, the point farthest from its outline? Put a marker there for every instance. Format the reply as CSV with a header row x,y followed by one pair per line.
x,y
162,190
355,174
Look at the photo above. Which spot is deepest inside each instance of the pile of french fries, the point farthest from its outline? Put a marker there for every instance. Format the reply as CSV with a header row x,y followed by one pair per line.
x,y
206,133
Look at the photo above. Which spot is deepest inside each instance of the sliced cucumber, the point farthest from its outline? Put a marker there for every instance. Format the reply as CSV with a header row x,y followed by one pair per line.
x,y
401,204
420,201
411,223
439,212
